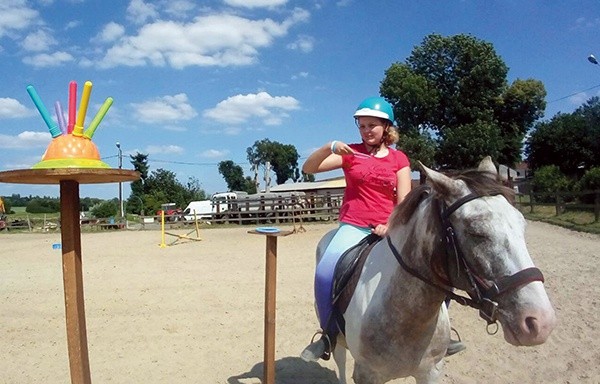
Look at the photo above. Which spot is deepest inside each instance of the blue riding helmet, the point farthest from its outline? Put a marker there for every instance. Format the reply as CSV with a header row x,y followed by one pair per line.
x,y
376,107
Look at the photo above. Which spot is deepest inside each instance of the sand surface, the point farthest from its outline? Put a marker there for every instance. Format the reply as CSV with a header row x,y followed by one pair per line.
x,y
193,312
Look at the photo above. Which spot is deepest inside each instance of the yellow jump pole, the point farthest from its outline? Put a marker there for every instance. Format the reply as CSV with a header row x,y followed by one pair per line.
x,y
162,229
196,223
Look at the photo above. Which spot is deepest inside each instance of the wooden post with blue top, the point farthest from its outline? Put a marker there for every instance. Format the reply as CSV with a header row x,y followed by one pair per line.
x,y
271,235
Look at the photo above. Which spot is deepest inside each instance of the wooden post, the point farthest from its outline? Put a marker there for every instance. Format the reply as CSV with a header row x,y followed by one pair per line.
x,y
73,282
270,300
270,303
597,207
69,180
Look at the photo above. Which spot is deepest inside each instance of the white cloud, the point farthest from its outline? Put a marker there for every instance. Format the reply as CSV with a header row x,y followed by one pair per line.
x,y
111,32
39,41
164,109
585,23
164,150
209,40
179,8
255,3
299,75
343,3
12,109
16,15
139,12
214,153
25,140
240,108
72,24
44,60
303,43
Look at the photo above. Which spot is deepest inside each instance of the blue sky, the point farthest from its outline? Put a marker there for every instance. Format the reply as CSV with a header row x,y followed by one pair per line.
x,y
197,82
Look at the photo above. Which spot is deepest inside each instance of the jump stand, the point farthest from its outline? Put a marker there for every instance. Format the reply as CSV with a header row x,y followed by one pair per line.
x,y
178,237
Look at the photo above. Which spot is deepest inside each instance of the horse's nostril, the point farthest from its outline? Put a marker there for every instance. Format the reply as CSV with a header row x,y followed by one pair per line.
x,y
532,325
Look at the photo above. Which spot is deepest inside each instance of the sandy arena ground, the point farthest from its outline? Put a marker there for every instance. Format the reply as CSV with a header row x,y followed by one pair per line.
x,y
193,312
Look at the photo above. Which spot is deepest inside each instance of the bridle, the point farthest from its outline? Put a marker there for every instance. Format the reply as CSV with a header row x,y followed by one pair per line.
x,y
483,293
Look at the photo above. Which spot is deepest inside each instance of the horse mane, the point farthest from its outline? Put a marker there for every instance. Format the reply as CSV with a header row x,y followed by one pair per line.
x,y
404,211
479,182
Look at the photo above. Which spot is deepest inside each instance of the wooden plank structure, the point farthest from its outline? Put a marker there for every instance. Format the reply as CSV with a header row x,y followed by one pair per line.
x,y
69,180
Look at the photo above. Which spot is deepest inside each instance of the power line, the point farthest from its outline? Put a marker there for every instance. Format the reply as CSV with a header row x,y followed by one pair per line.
x,y
573,94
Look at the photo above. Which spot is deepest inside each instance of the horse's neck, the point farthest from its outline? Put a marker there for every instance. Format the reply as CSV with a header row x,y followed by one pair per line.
x,y
416,241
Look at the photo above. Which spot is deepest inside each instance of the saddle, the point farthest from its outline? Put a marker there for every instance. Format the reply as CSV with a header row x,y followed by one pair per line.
x,y
346,275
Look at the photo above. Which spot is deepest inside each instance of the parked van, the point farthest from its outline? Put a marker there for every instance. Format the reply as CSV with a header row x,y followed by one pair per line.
x,y
202,209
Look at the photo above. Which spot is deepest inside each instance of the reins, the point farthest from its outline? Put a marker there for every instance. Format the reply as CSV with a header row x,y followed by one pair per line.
x,y
482,294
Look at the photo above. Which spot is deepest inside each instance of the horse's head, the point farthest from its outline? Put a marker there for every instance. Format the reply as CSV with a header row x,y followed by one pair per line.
x,y
483,238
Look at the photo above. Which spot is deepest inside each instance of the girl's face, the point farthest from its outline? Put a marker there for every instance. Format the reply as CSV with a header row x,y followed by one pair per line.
x,y
371,129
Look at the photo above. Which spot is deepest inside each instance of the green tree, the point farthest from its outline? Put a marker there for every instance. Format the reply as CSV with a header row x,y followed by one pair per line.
x,y
233,175
43,205
521,105
87,203
283,159
563,141
452,89
162,186
105,209
307,177
135,202
588,183
548,180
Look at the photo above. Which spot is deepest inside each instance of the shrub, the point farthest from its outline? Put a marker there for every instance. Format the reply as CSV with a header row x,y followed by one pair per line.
x,y
548,180
43,205
105,209
590,181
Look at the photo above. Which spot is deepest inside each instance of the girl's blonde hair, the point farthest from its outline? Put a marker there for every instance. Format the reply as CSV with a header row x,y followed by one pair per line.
x,y
390,135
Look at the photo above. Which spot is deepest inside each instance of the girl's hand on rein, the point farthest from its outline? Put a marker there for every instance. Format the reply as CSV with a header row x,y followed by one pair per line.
x,y
379,230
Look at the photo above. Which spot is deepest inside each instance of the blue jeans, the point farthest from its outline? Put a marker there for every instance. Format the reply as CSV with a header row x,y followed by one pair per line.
x,y
346,236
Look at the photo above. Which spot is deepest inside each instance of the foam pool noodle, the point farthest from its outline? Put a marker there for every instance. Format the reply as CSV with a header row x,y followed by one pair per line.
x,y
52,126
83,105
60,117
72,106
89,132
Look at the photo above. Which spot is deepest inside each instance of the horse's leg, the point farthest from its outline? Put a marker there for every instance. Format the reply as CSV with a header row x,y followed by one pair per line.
x,y
364,375
339,355
432,376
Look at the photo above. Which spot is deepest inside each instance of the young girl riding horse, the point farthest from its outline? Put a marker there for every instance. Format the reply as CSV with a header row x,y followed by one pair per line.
x,y
377,179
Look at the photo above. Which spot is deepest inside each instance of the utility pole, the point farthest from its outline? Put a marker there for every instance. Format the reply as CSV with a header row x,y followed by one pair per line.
x,y
256,183
120,184
268,176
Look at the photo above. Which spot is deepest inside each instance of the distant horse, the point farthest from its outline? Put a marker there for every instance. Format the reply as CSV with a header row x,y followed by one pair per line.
x,y
456,232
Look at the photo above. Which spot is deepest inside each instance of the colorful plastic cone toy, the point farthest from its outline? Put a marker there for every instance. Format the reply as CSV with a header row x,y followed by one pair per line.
x,y
71,148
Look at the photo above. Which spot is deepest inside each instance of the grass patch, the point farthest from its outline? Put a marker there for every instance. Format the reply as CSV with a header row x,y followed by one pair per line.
x,y
577,220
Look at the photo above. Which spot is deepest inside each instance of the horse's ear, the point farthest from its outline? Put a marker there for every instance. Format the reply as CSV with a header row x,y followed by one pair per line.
x,y
443,184
487,165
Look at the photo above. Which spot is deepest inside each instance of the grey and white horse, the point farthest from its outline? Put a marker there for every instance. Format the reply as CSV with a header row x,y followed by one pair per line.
x,y
459,232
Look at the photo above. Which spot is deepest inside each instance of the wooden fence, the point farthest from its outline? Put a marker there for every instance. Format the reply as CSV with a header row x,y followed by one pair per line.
x,y
275,210
562,201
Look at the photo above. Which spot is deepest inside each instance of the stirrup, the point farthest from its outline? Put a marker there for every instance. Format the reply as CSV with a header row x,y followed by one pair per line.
x,y
320,349
455,346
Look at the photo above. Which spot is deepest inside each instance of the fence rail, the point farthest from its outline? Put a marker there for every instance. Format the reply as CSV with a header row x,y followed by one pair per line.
x,y
265,210
588,201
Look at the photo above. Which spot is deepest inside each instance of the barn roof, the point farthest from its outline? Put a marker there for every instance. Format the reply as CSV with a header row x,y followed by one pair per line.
x,y
334,183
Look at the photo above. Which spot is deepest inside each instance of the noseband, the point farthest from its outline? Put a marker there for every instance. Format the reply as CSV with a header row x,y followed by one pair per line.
x,y
483,293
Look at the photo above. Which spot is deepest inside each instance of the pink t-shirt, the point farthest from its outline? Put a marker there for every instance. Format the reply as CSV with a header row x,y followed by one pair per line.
x,y
370,194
